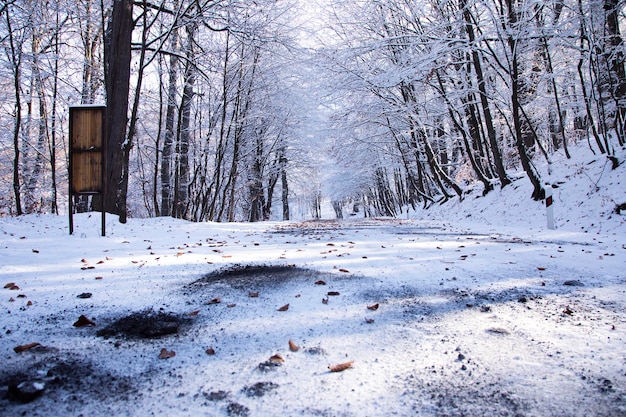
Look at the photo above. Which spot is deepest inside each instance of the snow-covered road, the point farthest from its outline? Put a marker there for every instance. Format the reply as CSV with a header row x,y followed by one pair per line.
x,y
435,320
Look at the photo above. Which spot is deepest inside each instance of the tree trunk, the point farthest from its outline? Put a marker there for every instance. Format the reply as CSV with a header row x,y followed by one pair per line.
x,y
15,58
480,78
614,56
117,56
184,134
285,184
538,191
170,122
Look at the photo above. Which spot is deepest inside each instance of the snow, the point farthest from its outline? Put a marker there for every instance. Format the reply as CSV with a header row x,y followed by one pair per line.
x,y
473,315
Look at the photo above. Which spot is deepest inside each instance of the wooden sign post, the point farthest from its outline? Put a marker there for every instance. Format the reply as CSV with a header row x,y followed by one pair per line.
x,y
87,155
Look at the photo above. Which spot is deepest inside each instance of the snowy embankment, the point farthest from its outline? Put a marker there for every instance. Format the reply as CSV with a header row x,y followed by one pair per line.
x,y
474,309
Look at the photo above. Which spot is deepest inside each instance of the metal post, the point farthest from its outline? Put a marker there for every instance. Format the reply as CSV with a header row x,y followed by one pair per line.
x,y
549,207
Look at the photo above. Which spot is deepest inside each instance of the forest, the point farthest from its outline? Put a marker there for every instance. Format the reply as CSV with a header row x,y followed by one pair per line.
x,y
241,110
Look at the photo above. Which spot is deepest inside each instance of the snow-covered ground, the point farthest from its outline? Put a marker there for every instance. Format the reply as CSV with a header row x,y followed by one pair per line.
x,y
468,309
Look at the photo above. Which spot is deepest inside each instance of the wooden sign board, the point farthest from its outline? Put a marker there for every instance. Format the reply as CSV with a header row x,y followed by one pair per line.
x,y
87,153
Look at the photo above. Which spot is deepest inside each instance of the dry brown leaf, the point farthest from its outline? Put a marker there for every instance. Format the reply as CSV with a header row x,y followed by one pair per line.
x,y
108,258
84,321
253,294
369,321
320,282
9,285
343,270
540,268
231,305
11,300
99,262
194,313
35,251
29,303
373,307
22,348
340,367
334,293
84,261
98,278
216,300
180,253
210,351
14,288
277,358
284,308
293,347
166,354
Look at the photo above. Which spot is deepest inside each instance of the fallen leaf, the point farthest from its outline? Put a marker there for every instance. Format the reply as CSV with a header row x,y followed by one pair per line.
x,y
340,367
277,358
334,293
194,313
216,300
320,282
14,288
99,262
343,270
11,300
29,303
166,354
22,348
84,321
231,305
108,258
293,347
568,311
298,295
35,251
98,278
540,268
9,285
369,321
84,261
373,307
284,308
330,244
325,300
253,294
210,351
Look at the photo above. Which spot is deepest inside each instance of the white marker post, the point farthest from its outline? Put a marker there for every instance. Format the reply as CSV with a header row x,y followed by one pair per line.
x,y
549,208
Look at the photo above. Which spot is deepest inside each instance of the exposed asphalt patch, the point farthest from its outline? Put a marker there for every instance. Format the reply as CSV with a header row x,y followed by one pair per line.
x,y
60,379
144,325
257,276
259,389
